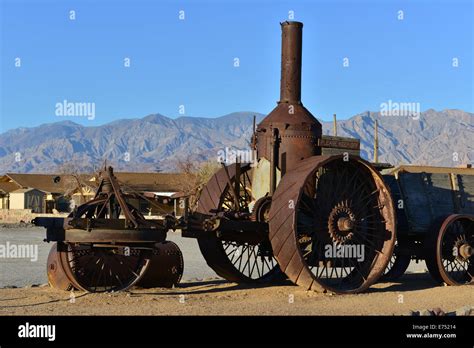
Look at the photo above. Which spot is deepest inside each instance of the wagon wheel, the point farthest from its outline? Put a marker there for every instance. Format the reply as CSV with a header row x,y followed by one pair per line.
x,y
397,265
238,262
101,269
332,224
450,250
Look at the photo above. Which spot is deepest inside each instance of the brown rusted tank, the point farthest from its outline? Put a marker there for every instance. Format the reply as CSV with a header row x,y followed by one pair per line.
x,y
290,129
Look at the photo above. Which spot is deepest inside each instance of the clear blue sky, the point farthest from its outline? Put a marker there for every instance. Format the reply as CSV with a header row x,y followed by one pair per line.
x,y
190,62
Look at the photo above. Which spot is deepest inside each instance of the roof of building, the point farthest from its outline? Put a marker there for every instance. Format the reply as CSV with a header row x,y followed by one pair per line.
x,y
7,187
61,184
23,190
153,182
53,183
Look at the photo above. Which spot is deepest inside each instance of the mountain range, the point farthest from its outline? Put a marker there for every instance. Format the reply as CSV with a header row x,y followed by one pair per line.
x,y
160,143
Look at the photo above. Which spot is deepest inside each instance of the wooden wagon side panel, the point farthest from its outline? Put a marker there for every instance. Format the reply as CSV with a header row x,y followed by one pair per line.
x,y
426,196
440,194
415,202
398,203
465,187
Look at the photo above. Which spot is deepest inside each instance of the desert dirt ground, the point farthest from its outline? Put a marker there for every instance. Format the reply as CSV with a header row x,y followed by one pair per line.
x,y
218,297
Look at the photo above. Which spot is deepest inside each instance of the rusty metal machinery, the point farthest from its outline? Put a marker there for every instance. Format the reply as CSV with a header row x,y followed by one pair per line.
x,y
288,215
326,205
57,277
325,221
107,245
166,267
290,132
294,210
233,240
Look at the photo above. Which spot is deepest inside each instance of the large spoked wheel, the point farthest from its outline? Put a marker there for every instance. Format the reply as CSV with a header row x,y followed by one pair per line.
x,y
397,265
238,262
332,224
450,251
102,268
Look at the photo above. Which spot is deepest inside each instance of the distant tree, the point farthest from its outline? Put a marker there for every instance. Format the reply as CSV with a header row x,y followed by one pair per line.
x,y
198,174
205,171
73,179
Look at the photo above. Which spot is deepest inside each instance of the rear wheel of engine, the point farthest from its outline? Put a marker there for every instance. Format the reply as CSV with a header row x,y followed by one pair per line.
x,y
238,262
332,224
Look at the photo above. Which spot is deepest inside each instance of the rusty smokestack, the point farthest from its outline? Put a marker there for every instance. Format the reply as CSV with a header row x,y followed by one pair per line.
x,y
291,50
289,133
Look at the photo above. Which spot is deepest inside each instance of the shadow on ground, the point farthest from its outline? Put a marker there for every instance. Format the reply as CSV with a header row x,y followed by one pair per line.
x,y
210,286
408,282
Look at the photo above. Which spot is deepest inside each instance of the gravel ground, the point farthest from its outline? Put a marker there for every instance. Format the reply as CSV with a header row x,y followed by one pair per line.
x,y
218,297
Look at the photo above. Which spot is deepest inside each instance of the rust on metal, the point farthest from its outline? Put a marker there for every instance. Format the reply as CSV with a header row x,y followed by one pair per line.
x,y
298,129
57,277
99,251
166,267
299,249
237,251
448,250
244,233
339,142
291,52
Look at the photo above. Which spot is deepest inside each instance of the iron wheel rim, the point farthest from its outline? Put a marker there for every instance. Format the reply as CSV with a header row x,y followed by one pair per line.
x,y
453,268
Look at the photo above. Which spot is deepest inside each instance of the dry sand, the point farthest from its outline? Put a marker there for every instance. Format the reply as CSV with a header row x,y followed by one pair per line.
x,y
218,297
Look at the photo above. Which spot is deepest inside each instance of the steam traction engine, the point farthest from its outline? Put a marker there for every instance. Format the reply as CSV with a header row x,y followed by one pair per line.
x,y
295,212
286,212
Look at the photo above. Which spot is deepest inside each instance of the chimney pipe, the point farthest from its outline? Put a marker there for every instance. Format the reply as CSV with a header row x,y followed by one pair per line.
x,y
290,132
291,48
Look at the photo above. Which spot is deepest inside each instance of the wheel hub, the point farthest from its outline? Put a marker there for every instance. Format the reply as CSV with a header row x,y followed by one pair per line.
x,y
341,223
261,209
462,250
466,251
